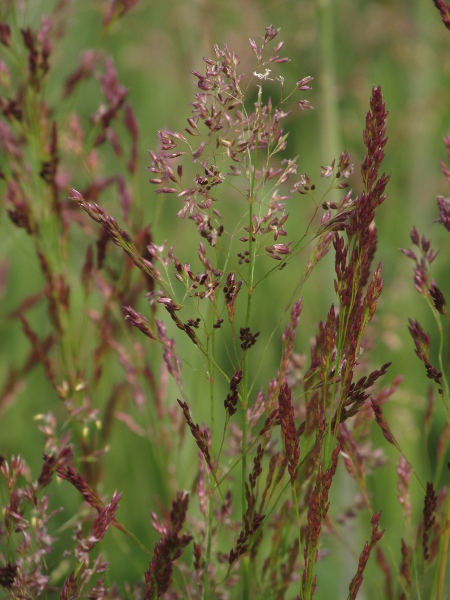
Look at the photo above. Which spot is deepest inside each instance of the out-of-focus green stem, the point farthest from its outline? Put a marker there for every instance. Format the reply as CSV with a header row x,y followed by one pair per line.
x,y
422,88
445,387
330,130
441,562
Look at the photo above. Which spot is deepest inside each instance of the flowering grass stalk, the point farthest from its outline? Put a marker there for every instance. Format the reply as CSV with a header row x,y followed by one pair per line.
x,y
246,143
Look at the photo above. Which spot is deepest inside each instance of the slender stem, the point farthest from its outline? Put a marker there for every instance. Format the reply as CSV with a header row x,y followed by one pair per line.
x,y
445,387
132,537
245,391
330,136
211,371
245,367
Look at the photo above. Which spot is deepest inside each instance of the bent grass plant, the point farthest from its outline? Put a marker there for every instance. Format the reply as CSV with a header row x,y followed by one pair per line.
x,y
255,520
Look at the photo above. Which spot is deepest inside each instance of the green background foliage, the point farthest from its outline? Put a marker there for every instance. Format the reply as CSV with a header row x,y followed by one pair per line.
x,y
400,45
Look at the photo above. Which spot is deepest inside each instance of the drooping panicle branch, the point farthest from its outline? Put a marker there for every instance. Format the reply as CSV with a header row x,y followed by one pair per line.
x,y
375,537
158,576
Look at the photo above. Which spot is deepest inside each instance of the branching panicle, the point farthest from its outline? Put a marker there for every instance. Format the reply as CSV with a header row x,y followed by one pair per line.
x,y
375,537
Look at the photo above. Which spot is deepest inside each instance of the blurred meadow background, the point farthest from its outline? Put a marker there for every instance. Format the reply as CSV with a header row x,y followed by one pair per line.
x,y
347,46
